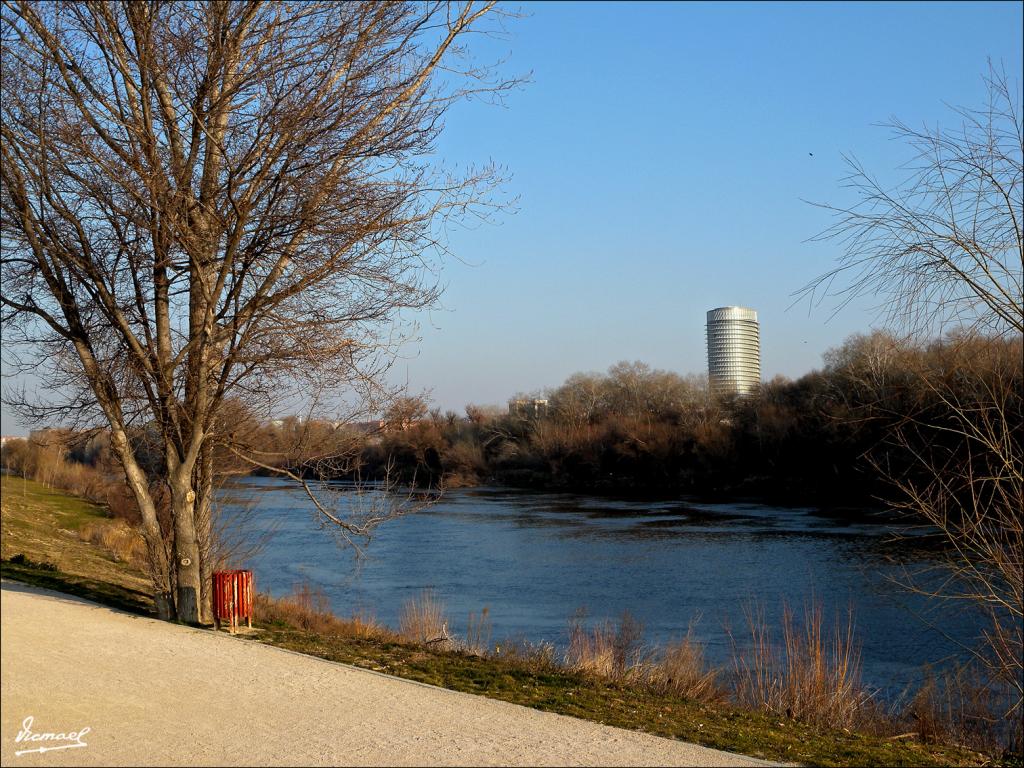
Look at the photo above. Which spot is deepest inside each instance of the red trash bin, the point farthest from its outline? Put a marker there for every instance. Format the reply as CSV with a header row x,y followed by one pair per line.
x,y
233,595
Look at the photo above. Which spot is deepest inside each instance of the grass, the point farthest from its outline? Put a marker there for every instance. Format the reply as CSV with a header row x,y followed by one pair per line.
x,y
682,671
46,526
610,650
123,541
41,525
306,609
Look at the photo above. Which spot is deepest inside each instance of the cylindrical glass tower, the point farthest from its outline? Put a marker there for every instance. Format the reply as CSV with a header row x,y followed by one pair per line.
x,y
734,351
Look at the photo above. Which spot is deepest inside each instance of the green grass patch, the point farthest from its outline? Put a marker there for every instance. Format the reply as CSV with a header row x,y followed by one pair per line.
x,y
31,502
41,524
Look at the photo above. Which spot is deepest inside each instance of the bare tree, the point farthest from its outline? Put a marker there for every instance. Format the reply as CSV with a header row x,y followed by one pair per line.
x,y
944,250
965,440
943,247
204,200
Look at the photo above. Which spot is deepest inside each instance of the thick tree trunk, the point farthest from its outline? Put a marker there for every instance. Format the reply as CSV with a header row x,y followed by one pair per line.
x,y
187,566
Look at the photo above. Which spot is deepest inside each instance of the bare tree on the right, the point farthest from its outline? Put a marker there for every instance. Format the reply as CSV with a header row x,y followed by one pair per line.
x,y
943,247
943,251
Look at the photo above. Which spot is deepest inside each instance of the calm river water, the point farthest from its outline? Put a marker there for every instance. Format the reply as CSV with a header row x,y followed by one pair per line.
x,y
533,559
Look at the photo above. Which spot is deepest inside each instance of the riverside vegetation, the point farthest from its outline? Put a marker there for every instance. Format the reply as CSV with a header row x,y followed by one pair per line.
x,y
796,699
817,439
830,437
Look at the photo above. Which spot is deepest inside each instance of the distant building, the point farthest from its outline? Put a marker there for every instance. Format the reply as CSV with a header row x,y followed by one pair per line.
x,y
528,409
734,351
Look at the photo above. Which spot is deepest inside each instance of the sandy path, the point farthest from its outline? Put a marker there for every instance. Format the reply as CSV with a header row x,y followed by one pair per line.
x,y
153,693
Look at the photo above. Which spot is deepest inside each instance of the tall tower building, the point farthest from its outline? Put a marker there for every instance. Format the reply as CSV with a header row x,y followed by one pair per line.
x,y
734,351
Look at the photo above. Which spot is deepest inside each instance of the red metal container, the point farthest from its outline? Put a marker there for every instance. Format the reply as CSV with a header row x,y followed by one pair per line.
x,y
233,597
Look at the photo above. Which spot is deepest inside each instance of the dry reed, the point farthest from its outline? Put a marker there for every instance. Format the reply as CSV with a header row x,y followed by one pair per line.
x,y
478,632
609,650
682,671
308,609
535,657
423,620
963,706
813,677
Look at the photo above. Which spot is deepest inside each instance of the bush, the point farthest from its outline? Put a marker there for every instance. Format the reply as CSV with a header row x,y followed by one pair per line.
x,y
122,540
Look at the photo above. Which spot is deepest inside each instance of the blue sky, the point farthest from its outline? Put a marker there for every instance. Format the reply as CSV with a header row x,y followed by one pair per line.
x,y
660,156
661,159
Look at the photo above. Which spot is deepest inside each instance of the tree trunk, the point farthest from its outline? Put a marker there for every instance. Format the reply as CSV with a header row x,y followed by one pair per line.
x,y
204,532
159,567
187,565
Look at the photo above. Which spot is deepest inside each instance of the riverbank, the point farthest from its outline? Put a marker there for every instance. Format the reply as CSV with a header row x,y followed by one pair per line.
x,y
294,709
545,688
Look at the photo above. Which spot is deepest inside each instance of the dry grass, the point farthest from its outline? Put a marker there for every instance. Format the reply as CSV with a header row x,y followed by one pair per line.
x,y
308,609
682,671
538,658
122,541
478,633
44,525
616,652
959,706
609,650
813,677
423,620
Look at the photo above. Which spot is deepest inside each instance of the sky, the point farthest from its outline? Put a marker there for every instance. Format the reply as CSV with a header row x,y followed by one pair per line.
x,y
662,158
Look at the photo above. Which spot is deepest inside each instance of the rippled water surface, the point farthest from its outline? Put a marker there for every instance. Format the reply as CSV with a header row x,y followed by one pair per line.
x,y
533,559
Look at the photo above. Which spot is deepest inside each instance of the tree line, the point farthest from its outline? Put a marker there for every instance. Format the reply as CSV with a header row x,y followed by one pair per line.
x,y
823,437
638,430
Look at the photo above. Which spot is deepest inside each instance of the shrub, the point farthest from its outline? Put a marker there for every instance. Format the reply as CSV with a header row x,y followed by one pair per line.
x,y
120,539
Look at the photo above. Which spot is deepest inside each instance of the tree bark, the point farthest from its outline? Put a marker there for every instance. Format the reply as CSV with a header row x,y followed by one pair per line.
x,y
204,532
159,567
187,564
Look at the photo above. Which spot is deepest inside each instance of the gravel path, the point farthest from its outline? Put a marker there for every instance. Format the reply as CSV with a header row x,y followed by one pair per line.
x,y
156,694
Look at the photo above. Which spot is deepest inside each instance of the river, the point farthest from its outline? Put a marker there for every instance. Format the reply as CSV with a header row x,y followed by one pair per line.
x,y
533,559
